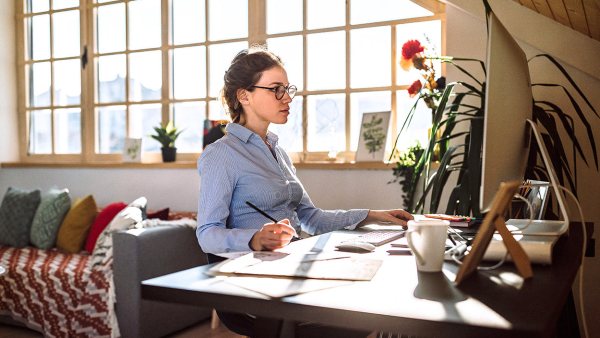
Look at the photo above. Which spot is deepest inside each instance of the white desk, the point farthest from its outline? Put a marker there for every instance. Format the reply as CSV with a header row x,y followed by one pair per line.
x,y
398,299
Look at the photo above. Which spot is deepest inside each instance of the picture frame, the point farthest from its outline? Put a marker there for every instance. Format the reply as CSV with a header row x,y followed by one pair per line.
x,y
373,136
494,221
132,150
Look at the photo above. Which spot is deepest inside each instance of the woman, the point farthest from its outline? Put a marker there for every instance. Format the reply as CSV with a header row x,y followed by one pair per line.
x,y
247,165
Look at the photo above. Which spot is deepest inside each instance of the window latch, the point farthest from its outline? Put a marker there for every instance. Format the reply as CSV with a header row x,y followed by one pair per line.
x,y
84,57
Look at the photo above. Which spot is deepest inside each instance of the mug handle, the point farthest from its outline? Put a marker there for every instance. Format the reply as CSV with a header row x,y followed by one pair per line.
x,y
417,254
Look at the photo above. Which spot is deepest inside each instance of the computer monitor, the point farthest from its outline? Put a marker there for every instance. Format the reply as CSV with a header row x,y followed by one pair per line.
x,y
507,124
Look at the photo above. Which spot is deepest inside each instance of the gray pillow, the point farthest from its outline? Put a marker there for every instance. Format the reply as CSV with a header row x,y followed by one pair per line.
x,y
16,213
48,217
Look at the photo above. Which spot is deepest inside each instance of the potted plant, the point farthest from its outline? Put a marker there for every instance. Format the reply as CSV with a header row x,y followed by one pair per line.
x,y
166,135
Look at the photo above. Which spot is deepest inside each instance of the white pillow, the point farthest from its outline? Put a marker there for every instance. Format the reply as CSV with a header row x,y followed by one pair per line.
x,y
125,219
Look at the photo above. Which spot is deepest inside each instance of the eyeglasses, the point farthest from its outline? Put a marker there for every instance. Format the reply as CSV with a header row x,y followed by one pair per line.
x,y
281,90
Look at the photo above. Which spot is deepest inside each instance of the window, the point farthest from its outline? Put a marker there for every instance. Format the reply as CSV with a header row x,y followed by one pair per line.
x,y
95,72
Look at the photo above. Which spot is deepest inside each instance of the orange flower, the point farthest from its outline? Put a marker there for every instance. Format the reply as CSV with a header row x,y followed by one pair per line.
x,y
414,88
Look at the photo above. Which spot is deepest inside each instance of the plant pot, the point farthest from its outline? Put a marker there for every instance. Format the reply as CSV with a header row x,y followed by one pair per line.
x,y
169,154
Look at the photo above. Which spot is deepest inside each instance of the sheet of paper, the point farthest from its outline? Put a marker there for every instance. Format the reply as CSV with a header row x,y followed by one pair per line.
x,y
283,287
330,265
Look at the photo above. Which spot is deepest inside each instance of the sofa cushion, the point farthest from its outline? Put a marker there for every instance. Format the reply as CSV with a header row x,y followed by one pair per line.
x,y
16,213
75,226
134,213
105,216
54,205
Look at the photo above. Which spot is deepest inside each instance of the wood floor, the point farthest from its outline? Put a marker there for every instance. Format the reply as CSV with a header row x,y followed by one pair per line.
x,y
201,330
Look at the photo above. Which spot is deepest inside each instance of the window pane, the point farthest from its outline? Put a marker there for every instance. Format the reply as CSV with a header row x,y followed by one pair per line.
x,y
40,134
290,134
220,60
429,34
67,82
321,14
216,111
111,77
40,84
284,16
361,103
144,24
65,4
326,60
371,57
326,122
189,72
67,135
111,28
188,21
364,11
289,49
110,131
66,34
36,6
142,120
228,19
40,37
189,117
419,125
145,73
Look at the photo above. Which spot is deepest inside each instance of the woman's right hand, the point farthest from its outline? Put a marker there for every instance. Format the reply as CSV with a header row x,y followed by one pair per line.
x,y
273,236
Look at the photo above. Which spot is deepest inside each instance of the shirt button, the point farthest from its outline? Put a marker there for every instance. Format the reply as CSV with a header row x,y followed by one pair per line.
x,y
287,182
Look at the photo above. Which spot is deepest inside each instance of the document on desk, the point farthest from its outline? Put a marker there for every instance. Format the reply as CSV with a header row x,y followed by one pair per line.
x,y
331,266
279,287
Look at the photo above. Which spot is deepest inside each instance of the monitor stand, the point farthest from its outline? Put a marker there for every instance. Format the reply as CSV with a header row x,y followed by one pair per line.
x,y
544,227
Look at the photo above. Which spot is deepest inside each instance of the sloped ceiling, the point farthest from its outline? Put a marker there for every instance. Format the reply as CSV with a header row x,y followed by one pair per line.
x,y
581,15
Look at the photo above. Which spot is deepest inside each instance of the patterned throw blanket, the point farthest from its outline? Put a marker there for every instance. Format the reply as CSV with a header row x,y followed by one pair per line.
x,y
56,293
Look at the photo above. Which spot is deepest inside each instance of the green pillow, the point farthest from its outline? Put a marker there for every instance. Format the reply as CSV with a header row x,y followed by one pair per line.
x,y
16,213
48,217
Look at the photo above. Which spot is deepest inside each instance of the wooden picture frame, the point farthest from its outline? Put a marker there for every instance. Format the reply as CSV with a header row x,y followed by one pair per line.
x,y
373,135
494,221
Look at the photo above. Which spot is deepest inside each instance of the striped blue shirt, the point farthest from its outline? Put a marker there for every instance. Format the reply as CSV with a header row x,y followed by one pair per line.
x,y
240,167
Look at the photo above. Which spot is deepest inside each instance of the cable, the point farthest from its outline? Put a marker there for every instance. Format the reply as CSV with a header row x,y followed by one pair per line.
x,y
530,207
581,270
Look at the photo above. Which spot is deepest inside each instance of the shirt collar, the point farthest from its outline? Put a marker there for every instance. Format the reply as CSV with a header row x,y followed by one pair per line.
x,y
244,133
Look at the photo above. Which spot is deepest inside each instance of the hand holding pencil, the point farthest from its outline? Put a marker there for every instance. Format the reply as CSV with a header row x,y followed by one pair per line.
x,y
272,235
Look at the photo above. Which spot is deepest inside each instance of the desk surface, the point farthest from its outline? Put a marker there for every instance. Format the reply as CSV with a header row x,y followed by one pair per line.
x,y
399,299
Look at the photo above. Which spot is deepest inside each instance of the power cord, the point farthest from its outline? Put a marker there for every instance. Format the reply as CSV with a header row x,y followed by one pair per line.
x,y
581,270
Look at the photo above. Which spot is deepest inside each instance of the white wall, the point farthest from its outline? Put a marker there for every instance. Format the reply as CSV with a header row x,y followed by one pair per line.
x,y
580,55
9,145
178,188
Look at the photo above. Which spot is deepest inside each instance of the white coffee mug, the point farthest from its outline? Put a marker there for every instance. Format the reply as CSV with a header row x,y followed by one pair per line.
x,y
427,240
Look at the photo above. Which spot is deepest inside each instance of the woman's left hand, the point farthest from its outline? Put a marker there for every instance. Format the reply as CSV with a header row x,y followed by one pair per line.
x,y
395,216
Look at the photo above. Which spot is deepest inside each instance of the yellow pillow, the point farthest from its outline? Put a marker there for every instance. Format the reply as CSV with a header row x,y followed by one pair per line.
x,y
76,224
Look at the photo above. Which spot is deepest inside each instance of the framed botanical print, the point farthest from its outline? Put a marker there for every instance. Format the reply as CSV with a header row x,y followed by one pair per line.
x,y
373,137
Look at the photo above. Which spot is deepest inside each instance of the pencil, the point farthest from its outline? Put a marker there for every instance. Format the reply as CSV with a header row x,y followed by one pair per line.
x,y
262,212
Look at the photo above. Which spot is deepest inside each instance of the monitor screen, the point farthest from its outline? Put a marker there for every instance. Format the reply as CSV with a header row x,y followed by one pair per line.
x,y
508,105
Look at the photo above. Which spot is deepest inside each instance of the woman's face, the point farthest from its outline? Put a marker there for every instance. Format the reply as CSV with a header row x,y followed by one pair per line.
x,y
263,105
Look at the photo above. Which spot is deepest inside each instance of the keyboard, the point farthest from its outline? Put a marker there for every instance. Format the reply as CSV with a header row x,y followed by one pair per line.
x,y
379,237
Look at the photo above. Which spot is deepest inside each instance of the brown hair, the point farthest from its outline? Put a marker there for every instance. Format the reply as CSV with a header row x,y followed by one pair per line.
x,y
244,72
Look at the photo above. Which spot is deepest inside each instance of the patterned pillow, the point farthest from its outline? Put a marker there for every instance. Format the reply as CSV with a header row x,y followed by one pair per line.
x,y
48,217
75,226
16,213
127,218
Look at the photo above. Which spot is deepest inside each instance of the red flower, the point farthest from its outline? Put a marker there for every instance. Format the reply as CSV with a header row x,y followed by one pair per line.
x,y
414,88
410,48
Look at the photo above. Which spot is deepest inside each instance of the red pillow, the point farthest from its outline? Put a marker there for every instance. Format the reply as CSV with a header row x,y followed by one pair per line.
x,y
162,214
102,220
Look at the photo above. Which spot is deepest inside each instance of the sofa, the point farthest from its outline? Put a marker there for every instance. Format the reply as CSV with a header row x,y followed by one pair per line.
x,y
63,294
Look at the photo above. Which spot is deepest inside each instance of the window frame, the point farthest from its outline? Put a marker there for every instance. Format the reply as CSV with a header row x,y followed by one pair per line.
x,y
257,33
